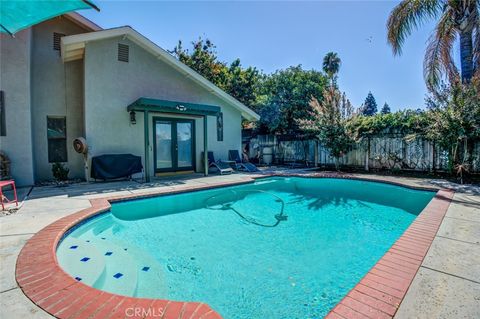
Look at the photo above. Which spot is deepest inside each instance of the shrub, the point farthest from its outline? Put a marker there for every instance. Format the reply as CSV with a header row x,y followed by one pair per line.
x,y
60,172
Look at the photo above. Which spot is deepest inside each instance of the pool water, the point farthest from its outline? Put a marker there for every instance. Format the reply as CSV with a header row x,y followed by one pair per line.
x,y
276,248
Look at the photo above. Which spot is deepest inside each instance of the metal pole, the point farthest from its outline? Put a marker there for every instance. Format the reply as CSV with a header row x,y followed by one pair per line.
x,y
205,146
147,155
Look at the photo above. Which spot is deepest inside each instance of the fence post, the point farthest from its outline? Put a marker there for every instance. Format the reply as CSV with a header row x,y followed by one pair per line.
x,y
367,155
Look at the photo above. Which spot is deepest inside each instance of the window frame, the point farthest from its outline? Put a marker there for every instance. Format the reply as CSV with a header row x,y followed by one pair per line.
x,y
51,157
3,117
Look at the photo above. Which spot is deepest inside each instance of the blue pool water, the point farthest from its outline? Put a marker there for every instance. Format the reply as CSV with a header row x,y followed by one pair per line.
x,y
276,248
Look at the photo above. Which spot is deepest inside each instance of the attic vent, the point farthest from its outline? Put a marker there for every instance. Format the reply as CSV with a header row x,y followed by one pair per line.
x,y
56,40
123,52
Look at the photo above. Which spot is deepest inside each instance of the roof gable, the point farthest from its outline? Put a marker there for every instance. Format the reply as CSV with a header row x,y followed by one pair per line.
x,y
73,49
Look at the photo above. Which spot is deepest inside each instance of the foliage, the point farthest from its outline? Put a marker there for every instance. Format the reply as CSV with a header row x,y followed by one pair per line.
x,y
280,98
386,109
370,106
327,122
241,83
331,66
454,121
455,19
60,172
289,91
404,122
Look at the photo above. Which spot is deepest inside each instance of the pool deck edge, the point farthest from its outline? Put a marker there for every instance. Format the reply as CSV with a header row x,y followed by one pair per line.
x,y
380,292
377,295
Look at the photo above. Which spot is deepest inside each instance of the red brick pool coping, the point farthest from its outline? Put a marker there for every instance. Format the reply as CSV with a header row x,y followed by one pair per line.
x,y
377,295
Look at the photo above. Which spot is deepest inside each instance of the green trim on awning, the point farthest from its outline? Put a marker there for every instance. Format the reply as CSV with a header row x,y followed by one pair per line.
x,y
165,106
17,15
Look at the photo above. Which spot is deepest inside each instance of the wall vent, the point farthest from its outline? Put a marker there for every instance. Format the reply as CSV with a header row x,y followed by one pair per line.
x,y
56,40
123,52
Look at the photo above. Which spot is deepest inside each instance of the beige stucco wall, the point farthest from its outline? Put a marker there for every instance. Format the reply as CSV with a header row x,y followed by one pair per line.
x,y
15,82
57,90
111,85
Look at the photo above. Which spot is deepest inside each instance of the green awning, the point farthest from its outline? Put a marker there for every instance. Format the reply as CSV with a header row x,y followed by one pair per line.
x,y
165,106
16,15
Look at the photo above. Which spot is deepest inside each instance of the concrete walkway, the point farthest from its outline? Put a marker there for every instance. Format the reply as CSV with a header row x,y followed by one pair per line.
x,y
447,285
448,282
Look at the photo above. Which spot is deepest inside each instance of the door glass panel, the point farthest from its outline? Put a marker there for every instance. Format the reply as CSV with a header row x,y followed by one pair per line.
x,y
164,144
184,141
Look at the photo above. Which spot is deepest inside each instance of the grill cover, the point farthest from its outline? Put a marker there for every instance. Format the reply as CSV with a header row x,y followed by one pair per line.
x,y
111,166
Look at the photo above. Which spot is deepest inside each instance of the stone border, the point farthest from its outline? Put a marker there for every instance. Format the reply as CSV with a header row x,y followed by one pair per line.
x,y
377,295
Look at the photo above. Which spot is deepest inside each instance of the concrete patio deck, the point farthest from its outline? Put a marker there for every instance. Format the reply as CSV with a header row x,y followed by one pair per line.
x,y
446,286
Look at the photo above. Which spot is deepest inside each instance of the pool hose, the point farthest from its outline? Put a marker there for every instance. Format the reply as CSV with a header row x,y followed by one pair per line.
x,y
229,206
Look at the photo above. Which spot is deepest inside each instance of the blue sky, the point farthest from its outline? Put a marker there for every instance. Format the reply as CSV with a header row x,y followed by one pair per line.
x,y
273,35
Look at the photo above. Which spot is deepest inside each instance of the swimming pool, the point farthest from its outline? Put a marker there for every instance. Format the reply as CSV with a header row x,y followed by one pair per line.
x,y
276,248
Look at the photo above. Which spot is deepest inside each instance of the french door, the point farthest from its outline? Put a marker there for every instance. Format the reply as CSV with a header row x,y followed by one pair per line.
x,y
174,144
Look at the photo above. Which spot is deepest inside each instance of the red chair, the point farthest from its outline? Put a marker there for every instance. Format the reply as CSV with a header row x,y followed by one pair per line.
x,y
3,198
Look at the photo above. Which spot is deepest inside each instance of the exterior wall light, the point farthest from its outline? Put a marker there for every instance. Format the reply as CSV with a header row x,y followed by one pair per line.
x,y
181,107
133,119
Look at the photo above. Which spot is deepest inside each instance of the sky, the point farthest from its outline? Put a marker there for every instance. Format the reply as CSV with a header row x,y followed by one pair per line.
x,y
273,35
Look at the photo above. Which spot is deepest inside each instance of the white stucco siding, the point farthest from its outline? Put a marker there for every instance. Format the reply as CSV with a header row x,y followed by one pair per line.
x,y
15,82
57,90
111,85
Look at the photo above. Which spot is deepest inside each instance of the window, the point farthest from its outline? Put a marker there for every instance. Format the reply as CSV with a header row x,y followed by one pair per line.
x,y
57,139
56,40
3,119
123,52
220,127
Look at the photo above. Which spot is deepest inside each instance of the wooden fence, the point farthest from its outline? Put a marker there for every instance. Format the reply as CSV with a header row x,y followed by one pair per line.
x,y
383,152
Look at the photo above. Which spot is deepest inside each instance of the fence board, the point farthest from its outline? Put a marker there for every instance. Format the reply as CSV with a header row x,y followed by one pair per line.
x,y
387,152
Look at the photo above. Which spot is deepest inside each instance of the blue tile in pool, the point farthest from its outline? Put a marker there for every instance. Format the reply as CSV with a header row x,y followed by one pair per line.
x,y
108,253
73,247
118,275
85,259
145,268
78,279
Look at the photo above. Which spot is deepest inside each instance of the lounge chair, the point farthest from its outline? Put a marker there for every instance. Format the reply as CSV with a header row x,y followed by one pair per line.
x,y
234,155
223,167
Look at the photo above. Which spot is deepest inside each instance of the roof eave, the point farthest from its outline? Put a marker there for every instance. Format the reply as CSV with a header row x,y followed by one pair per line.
x,y
160,53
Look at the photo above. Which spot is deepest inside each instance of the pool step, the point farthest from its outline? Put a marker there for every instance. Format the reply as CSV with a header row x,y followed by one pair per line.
x,y
121,270
150,273
83,261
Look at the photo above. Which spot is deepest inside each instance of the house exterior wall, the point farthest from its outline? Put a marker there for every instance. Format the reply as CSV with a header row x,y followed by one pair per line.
x,y
111,85
57,90
15,82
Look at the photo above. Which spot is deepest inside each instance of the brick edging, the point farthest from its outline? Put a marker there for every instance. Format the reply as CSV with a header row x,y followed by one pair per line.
x,y
379,293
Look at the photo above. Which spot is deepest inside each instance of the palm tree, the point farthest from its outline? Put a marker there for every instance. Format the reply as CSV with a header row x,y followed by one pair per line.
x,y
331,65
455,19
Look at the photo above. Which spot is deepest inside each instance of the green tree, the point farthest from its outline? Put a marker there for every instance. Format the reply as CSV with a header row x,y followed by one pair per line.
x,y
289,92
203,59
241,83
455,19
328,122
386,109
370,105
454,122
331,66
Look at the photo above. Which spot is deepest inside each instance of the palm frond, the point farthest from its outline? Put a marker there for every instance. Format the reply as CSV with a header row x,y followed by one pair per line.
x,y
438,57
406,17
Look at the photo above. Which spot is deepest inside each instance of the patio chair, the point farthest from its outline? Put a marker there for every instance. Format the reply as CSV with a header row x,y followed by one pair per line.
x,y
234,155
223,167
